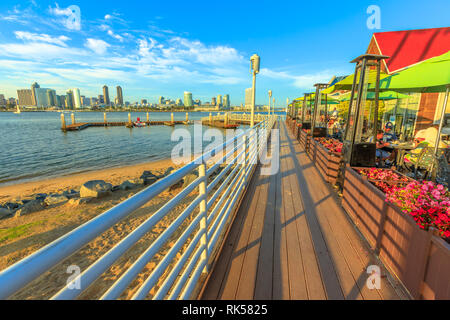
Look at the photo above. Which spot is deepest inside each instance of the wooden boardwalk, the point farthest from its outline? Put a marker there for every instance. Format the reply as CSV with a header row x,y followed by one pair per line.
x,y
290,239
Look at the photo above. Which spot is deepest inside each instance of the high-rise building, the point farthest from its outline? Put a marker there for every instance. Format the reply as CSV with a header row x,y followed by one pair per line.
x,y
226,101
101,99
179,102
119,96
51,97
69,99
213,101
219,100
2,100
188,99
161,100
94,101
76,98
143,101
25,97
248,98
33,93
106,95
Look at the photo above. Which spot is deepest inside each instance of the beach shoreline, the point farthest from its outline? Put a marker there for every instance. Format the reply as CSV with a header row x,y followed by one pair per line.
x,y
113,175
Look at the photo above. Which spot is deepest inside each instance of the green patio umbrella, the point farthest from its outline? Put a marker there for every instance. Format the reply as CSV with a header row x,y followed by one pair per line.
x,y
385,95
432,75
347,82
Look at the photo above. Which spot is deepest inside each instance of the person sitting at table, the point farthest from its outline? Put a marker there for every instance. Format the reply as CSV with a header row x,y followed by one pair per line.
x,y
380,154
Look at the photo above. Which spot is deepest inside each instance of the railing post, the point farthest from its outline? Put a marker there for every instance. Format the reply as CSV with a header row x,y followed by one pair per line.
x,y
72,116
203,221
245,159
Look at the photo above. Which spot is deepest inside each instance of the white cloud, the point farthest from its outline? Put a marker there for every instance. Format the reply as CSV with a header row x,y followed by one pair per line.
x,y
97,45
23,35
116,36
302,81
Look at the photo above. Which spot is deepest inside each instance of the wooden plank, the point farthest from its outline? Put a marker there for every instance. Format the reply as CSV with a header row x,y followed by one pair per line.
x,y
313,279
280,269
221,270
328,272
297,284
263,285
230,286
246,285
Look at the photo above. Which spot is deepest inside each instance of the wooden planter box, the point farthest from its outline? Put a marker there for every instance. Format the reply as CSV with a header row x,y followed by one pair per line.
x,y
415,256
327,162
304,140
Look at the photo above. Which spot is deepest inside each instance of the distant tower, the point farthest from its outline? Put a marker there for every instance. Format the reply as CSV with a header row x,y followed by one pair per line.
x,y
69,99
106,95
213,101
119,96
226,101
188,99
33,93
76,98
219,100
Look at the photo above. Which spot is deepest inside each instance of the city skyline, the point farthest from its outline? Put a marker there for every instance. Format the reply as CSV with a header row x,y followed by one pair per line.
x,y
162,54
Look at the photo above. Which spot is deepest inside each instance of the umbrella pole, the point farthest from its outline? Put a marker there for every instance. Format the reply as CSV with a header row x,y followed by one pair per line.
x,y
441,123
405,114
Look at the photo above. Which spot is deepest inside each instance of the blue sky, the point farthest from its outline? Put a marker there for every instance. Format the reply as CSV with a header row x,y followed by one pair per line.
x,y
156,48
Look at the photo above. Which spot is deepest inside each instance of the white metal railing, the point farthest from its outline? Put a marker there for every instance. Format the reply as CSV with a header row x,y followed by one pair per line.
x,y
216,201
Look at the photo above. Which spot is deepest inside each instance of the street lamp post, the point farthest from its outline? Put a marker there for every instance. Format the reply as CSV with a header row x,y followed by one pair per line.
x,y
270,96
254,66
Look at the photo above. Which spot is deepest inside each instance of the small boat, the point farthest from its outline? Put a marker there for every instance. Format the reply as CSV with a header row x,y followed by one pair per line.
x,y
139,124
17,110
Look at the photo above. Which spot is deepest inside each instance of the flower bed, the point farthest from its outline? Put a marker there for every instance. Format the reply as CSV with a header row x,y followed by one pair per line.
x,y
328,157
398,217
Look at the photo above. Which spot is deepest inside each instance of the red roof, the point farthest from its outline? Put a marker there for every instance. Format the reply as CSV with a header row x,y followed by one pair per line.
x,y
409,47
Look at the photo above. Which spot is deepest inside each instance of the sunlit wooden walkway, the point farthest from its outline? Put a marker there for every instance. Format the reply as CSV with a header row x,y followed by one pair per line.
x,y
291,240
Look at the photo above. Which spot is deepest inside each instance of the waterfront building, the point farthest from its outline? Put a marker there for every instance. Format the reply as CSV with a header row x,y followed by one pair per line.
x,y
119,96
51,97
213,101
76,98
42,98
188,99
161,100
69,99
226,101
106,95
179,102
101,100
25,97
94,101
34,86
248,98
2,100
12,101
219,100
143,101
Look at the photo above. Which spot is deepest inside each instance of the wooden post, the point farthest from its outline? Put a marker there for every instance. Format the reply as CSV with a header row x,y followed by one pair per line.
x,y
171,117
63,122
210,118
226,119
148,119
72,116
104,117
187,116
129,118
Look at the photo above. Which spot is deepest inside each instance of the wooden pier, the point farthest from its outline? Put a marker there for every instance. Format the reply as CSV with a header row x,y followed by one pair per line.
x,y
290,239
77,126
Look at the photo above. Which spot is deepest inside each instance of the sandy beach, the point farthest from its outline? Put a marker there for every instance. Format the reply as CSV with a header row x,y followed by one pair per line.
x,y
111,175
21,236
